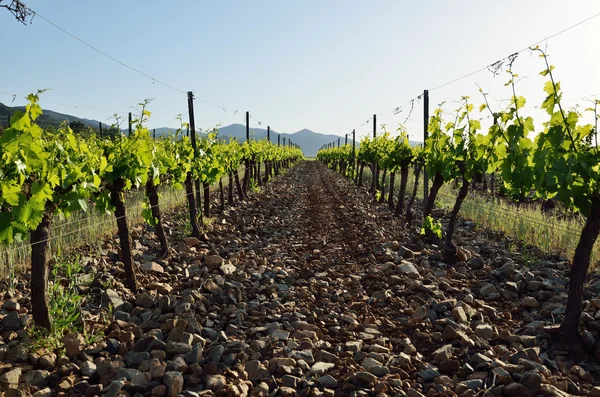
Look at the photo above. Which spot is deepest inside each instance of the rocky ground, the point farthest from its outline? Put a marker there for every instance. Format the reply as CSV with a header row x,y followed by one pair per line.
x,y
310,289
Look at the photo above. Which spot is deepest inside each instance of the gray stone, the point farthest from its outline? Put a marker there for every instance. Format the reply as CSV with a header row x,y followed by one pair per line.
x,y
409,270
12,322
281,334
175,348
327,381
174,382
114,388
428,375
517,390
487,290
10,378
320,368
88,368
476,263
111,299
127,373
363,379
214,262
532,381
215,382
37,378
379,370
216,352
484,331
195,355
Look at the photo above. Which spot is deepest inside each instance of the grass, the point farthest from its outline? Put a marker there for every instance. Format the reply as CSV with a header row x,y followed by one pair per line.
x,y
527,223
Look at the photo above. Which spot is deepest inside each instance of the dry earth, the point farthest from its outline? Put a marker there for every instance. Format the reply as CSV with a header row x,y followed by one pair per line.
x,y
310,289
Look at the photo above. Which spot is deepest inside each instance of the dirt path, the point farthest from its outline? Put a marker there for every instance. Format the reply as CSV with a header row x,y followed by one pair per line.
x,y
310,289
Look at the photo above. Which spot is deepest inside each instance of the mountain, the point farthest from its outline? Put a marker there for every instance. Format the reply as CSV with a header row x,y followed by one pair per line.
x,y
309,141
49,118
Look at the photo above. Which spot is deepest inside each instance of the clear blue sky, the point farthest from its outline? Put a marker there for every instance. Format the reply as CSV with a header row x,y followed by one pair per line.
x,y
323,65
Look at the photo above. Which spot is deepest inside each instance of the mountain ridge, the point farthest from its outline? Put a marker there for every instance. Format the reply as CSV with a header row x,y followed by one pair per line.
x,y
309,141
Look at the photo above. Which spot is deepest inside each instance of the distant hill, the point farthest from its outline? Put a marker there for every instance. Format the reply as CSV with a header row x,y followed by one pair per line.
x,y
309,141
49,118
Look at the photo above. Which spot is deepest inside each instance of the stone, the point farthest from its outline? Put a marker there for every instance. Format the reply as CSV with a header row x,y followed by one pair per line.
x,y
529,302
363,379
144,300
227,269
191,242
114,388
280,334
320,368
327,381
476,263
484,331
173,380
47,361
532,381
442,354
37,378
354,346
215,382
257,371
73,343
517,390
10,379
11,306
216,352
213,262
428,375
195,355
12,322
175,348
409,270
152,267
291,381
459,315
487,290
111,299
379,370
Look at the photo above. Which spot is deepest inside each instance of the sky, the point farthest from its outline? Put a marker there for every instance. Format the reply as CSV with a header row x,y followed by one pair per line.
x,y
323,65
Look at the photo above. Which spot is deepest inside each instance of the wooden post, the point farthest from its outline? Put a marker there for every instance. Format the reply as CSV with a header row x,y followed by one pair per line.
x,y
154,133
339,139
192,131
278,140
246,182
129,123
346,141
283,141
269,133
353,153
425,136
100,125
247,126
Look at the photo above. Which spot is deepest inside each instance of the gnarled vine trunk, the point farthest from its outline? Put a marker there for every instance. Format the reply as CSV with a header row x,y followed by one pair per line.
x,y
189,191
569,329
408,216
221,196
230,189
391,192
450,249
152,195
438,181
382,196
39,272
403,181
116,199
206,199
